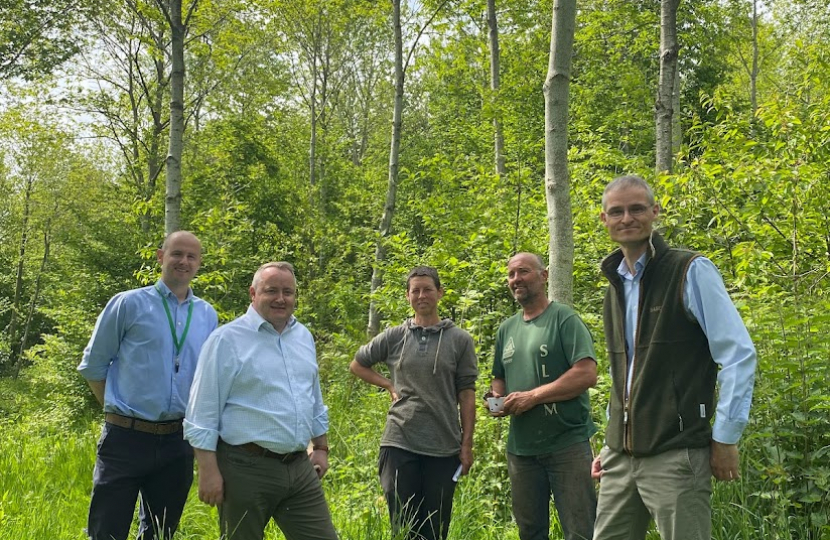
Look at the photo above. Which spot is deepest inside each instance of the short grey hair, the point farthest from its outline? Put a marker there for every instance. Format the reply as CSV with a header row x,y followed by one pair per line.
x,y
630,180
279,265
540,262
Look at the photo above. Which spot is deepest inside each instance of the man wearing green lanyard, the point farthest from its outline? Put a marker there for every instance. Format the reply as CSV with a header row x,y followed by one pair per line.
x,y
140,363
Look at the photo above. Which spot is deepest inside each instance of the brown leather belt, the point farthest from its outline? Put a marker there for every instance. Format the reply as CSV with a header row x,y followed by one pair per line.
x,y
257,450
156,428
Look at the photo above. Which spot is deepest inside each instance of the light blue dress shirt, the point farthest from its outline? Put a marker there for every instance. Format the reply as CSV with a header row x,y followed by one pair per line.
x,y
706,300
132,349
255,384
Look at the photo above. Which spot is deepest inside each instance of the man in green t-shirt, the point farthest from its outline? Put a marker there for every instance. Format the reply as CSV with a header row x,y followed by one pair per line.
x,y
544,364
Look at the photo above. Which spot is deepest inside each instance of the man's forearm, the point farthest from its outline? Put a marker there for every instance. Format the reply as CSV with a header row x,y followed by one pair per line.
x,y
211,483
206,459
579,378
98,389
498,386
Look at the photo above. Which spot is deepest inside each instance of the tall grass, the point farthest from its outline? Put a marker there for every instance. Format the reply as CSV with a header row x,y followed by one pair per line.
x,y
47,455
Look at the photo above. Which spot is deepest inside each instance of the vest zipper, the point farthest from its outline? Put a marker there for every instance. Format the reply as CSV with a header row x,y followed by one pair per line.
x,y
677,402
628,435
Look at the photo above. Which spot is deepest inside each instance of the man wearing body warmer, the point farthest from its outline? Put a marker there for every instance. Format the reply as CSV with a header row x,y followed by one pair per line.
x,y
669,326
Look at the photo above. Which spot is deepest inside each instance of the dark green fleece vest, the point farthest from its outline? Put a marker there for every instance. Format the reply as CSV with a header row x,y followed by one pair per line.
x,y
672,392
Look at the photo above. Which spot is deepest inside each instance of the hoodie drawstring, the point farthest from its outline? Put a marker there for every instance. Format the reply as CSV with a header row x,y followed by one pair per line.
x,y
435,365
403,348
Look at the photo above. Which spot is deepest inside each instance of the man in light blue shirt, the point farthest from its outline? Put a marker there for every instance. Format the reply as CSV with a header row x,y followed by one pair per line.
x,y
140,363
254,406
672,333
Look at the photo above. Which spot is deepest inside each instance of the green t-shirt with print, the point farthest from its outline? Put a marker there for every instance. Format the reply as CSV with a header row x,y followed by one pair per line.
x,y
536,352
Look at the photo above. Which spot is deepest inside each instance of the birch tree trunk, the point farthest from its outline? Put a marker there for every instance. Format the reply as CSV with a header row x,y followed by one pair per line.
x,y
492,24
173,195
392,187
753,75
665,89
676,131
557,181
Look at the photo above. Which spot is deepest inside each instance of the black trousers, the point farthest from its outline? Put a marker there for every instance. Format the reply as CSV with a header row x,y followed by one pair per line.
x,y
418,491
129,463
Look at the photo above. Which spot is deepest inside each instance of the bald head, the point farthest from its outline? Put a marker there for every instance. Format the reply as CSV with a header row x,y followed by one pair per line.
x,y
532,259
527,280
174,236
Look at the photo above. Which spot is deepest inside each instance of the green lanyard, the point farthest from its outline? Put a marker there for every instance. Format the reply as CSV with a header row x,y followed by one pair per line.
x,y
177,342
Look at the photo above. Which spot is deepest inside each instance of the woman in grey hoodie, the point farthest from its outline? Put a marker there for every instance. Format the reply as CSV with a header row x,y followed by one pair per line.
x,y
433,370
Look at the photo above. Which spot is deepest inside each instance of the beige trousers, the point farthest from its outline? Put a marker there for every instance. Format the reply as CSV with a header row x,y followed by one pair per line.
x,y
673,488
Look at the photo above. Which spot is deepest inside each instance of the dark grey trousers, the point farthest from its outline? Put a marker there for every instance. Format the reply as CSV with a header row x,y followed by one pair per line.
x,y
258,489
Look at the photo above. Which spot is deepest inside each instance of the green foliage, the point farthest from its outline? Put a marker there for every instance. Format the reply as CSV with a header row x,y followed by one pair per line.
x,y
36,36
749,192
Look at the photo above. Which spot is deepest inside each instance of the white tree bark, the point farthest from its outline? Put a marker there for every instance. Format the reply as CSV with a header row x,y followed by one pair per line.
x,y
665,89
492,24
753,76
173,194
676,129
392,187
557,180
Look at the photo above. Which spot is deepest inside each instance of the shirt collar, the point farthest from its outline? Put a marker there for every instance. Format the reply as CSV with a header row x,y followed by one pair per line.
x,y
255,320
166,292
623,271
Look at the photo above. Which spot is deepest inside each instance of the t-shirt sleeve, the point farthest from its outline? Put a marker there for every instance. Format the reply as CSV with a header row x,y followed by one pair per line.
x,y
467,370
375,351
498,368
577,342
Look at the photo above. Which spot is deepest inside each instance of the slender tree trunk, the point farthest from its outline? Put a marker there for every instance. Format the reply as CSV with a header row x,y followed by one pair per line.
x,y
154,161
21,258
557,181
676,131
753,76
392,186
173,196
492,24
35,297
665,89
312,145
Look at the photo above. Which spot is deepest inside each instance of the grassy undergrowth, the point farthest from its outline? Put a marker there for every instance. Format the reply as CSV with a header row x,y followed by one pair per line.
x,y
47,454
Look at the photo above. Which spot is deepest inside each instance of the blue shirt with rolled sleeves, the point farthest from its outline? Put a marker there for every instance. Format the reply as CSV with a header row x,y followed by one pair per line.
x,y
132,349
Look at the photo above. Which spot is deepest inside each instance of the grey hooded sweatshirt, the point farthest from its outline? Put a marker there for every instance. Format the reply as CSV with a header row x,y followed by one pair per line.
x,y
429,366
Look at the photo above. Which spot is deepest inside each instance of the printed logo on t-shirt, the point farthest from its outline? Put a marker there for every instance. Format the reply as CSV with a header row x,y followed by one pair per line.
x,y
509,349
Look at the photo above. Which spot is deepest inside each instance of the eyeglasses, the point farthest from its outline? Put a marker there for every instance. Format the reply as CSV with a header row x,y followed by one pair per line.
x,y
635,210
